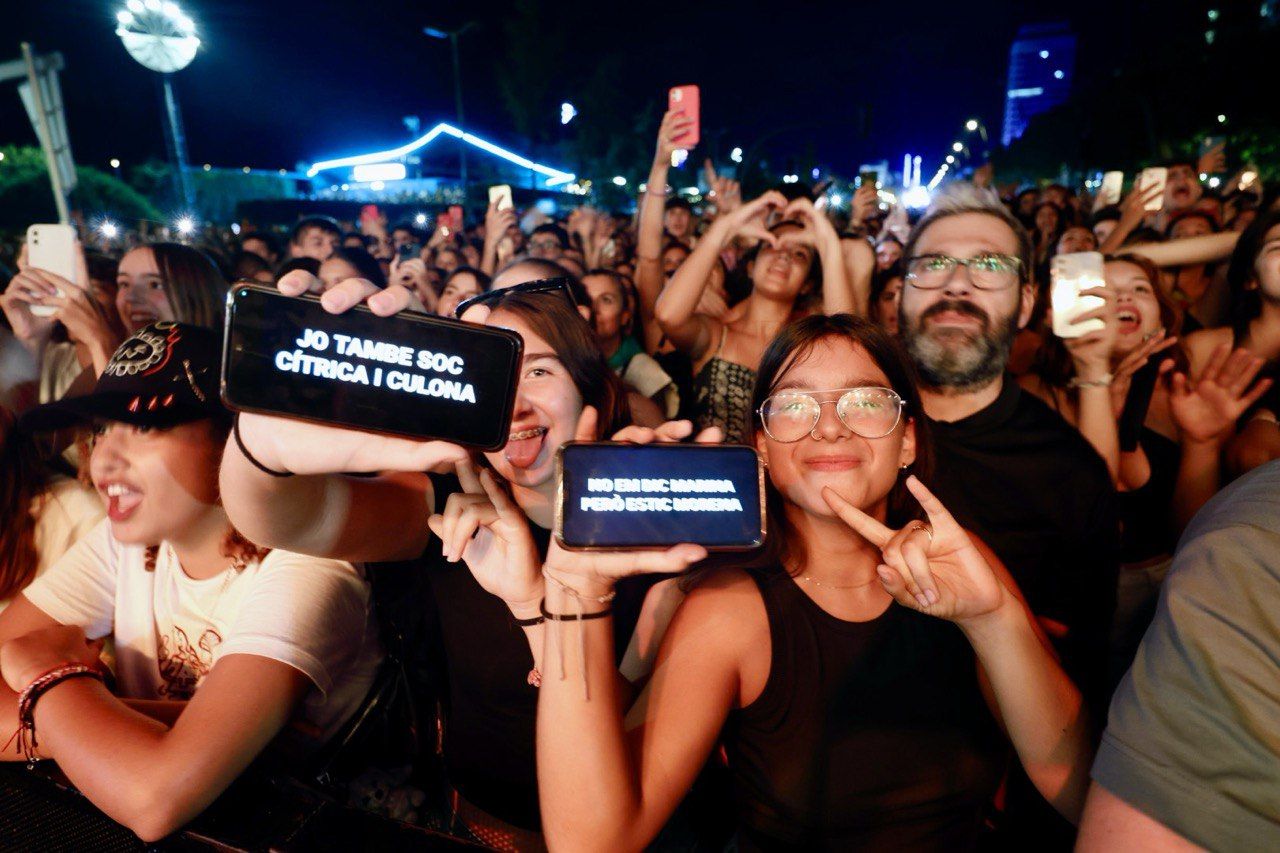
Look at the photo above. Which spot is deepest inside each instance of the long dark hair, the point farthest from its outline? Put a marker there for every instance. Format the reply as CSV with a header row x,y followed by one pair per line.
x,y
1246,301
558,323
1052,362
23,479
195,289
794,343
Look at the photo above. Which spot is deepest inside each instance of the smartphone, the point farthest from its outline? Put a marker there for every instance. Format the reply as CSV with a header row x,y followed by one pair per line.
x,y
687,100
868,178
1073,275
1207,146
1154,176
1112,184
51,248
412,374
618,496
500,196
408,251
455,217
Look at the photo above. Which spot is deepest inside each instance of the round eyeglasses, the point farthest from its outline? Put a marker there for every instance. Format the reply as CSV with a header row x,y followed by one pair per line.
x,y
870,412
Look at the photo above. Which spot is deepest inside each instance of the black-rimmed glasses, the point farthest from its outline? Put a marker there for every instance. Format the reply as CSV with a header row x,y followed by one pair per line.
x,y
869,411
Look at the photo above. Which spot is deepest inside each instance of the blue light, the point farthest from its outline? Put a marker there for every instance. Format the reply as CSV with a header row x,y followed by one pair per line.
x,y
555,177
1044,54
567,112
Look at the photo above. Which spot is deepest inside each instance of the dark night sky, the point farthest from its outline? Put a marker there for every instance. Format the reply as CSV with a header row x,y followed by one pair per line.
x,y
279,81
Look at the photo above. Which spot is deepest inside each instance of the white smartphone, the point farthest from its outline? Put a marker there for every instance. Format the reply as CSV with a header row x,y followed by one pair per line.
x,y
1073,276
502,195
1154,176
51,248
1112,183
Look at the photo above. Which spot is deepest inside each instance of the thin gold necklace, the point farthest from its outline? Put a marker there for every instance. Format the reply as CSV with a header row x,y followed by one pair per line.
x,y
816,582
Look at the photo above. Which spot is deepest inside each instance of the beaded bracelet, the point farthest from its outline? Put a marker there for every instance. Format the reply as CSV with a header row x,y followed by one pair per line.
x,y
26,733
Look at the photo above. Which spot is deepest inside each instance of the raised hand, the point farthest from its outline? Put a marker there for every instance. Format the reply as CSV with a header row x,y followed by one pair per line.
x,y
674,125
298,447
749,220
864,204
1207,408
412,276
815,228
594,574
726,193
483,526
933,568
26,289
1122,375
1091,352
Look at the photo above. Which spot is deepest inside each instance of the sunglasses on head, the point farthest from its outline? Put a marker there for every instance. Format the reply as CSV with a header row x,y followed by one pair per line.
x,y
492,297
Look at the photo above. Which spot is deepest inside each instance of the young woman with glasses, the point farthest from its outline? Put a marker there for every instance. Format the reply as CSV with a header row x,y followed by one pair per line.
x,y
866,679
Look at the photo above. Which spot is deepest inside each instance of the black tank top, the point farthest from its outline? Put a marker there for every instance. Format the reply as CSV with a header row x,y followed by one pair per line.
x,y
1146,524
463,646
867,735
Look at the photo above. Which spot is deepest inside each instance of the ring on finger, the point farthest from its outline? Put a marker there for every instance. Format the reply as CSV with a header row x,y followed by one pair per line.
x,y
920,525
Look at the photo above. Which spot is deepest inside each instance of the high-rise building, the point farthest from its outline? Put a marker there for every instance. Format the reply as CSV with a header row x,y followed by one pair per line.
x,y
1041,66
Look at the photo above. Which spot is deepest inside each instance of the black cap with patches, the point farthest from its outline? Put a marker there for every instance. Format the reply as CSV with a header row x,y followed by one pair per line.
x,y
162,375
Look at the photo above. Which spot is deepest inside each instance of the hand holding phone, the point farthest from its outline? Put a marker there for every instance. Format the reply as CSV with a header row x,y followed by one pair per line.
x,y
52,248
1153,180
411,374
687,100
1072,276
500,197
1109,192
617,496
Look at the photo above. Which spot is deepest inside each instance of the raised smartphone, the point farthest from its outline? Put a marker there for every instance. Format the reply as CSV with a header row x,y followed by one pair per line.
x,y
412,374
500,196
1073,275
617,496
687,100
1154,176
1112,184
51,248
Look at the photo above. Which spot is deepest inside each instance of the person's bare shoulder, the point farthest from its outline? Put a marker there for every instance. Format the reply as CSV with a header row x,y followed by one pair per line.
x,y
1200,344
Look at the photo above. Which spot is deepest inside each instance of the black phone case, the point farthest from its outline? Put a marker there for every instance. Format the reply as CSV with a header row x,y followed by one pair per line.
x,y
461,437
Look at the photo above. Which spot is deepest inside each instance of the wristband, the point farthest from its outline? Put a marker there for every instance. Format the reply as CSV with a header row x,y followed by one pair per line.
x,y
26,733
530,622
235,432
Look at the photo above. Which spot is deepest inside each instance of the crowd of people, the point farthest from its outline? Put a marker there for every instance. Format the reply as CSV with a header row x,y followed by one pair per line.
x,y
1018,589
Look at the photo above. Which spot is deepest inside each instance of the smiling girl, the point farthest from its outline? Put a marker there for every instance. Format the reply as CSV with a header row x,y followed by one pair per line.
x,y
219,643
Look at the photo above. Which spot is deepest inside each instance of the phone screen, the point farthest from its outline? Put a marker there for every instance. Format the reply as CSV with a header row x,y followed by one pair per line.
x,y
868,178
618,496
686,99
1112,183
500,197
1154,176
1073,275
411,374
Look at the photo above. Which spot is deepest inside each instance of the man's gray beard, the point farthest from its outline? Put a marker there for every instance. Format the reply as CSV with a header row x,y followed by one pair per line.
x,y
961,367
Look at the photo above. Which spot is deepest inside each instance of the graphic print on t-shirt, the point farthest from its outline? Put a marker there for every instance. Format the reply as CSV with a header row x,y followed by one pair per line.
x,y
182,665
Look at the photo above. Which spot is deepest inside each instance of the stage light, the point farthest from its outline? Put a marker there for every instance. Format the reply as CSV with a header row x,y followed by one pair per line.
x,y
619,181
185,225
736,155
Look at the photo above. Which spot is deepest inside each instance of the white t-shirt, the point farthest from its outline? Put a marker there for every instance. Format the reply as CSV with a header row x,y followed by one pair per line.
x,y
169,629
64,512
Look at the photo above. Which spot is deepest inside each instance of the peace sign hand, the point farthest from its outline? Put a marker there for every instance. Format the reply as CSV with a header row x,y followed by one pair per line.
x,y
934,568
483,526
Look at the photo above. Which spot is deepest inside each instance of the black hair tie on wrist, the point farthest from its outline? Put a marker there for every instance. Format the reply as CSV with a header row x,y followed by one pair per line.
x,y
575,617
235,432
